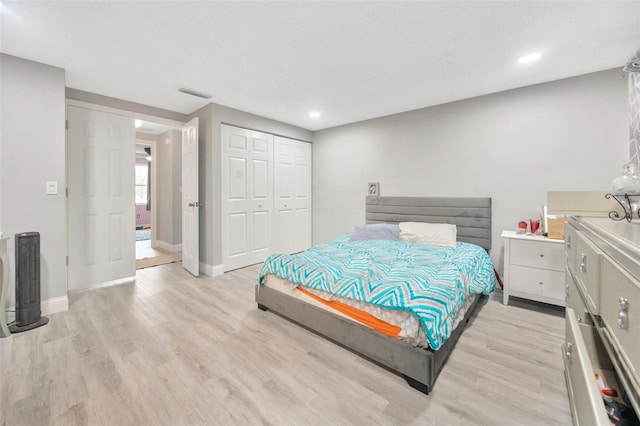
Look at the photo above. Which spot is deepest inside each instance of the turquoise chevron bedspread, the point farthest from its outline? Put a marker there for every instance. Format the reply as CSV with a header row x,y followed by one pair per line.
x,y
429,281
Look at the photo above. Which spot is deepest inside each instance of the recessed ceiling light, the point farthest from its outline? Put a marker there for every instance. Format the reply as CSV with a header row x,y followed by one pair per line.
x,y
138,123
530,58
314,114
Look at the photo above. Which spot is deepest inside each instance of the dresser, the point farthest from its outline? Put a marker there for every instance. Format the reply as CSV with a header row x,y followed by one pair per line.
x,y
602,347
533,268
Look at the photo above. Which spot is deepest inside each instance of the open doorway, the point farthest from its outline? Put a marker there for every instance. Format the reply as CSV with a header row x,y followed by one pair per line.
x,y
143,201
157,187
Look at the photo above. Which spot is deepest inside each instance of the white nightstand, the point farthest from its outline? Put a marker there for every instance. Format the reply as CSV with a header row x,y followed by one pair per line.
x,y
533,268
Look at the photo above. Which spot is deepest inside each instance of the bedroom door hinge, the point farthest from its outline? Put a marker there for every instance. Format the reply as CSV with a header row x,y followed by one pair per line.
x,y
67,260
66,124
66,192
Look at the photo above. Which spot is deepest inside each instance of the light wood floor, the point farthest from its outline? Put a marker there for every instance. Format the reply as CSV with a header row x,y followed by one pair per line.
x,y
172,349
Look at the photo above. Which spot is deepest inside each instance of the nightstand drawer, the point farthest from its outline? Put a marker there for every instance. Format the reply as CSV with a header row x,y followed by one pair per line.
x,y
538,254
539,282
620,310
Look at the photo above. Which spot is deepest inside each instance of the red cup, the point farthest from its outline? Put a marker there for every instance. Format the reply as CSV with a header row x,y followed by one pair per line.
x,y
534,225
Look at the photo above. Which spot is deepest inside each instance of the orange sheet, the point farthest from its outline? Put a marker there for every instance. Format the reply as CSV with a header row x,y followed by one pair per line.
x,y
361,316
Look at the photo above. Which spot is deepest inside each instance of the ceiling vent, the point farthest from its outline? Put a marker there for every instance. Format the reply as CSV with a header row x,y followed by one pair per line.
x,y
194,93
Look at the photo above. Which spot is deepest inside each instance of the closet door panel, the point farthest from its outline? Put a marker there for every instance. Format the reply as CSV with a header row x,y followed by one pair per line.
x,y
247,197
238,234
293,195
260,180
237,179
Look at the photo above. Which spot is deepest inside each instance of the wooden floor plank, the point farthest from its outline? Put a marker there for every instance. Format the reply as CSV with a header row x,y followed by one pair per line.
x,y
171,349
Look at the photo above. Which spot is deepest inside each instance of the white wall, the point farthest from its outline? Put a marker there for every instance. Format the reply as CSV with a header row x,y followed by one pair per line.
x,y
211,118
513,146
33,152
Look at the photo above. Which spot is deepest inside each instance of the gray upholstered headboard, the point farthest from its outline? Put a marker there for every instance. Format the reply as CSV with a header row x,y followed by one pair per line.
x,y
472,216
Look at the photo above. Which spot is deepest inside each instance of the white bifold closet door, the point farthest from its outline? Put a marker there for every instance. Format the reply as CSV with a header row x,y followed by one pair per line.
x,y
247,197
292,195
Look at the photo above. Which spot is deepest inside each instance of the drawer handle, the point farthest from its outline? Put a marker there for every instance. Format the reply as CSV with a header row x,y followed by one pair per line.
x,y
623,317
583,263
541,254
568,351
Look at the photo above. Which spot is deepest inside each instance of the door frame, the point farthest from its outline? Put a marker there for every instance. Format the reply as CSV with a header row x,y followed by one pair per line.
x,y
128,113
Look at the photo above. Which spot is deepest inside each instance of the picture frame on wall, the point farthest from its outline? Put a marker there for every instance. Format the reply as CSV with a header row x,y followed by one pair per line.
x,y
374,189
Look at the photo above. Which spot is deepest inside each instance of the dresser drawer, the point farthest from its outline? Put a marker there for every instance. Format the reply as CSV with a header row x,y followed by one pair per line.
x,y
583,353
620,310
538,254
570,245
587,270
574,299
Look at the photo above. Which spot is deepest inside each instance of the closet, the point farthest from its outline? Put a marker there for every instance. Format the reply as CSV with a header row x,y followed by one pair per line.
x,y
266,196
292,195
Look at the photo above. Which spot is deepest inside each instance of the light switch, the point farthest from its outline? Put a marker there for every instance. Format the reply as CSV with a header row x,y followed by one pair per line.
x,y
52,187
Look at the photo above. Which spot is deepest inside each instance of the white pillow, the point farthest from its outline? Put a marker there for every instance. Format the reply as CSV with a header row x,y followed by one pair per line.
x,y
441,234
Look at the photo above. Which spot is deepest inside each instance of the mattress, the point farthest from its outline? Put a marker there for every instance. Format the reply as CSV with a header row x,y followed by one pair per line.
x,y
411,329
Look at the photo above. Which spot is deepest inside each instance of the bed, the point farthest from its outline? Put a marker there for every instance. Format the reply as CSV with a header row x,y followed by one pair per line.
x,y
418,361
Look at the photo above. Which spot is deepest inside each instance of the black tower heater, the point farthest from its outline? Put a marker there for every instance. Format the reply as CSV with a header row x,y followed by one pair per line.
x,y
28,314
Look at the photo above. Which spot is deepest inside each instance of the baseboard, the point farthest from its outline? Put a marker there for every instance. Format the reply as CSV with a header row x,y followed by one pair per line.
x,y
211,271
107,284
55,305
169,247
47,307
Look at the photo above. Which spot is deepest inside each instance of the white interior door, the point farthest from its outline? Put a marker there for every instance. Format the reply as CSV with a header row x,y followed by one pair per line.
x,y
247,197
292,195
101,200
190,198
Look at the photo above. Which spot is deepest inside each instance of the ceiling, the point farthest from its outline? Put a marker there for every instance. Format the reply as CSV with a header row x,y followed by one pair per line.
x,y
151,128
350,61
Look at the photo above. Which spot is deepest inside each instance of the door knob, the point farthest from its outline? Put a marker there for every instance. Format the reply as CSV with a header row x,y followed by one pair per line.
x,y
192,204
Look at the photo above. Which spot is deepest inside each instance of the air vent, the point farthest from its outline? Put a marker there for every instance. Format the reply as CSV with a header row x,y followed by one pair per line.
x,y
194,93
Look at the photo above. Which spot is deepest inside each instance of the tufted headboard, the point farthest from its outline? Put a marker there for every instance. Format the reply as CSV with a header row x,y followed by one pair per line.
x,y
472,216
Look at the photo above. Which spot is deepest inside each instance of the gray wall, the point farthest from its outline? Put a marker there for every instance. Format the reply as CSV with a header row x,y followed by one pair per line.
x,y
211,119
513,146
33,152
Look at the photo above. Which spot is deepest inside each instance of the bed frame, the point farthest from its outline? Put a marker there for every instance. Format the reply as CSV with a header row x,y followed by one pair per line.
x,y
420,367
